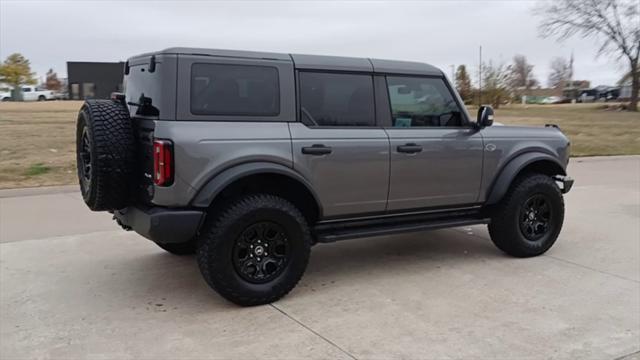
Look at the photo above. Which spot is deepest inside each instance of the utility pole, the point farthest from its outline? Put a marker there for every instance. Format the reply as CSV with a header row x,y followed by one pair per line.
x,y
480,79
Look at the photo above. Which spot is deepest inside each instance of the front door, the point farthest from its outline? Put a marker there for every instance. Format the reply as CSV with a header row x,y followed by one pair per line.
x,y
337,147
436,155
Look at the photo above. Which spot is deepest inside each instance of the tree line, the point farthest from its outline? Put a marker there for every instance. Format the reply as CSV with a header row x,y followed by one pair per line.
x,y
500,81
15,71
615,24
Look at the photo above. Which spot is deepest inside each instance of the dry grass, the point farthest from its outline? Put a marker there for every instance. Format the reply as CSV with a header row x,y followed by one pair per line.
x,y
37,140
37,143
591,129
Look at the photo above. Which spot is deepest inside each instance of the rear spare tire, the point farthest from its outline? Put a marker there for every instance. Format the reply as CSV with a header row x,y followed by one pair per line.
x,y
105,154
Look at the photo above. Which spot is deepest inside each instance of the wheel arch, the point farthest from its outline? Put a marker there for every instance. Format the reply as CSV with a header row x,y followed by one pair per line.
x,y
527,162
266,177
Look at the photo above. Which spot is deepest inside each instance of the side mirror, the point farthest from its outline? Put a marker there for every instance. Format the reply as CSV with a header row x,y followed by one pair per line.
x,y
485,116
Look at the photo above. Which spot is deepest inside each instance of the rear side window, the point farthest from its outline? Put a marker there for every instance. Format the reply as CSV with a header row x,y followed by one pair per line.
x,y
328,99
219,89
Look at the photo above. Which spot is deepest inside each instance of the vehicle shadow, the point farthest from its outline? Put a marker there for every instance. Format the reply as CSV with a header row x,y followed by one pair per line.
x,y
373,255
164,275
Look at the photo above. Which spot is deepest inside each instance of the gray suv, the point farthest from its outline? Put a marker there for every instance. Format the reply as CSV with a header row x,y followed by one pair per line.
x,y
248,159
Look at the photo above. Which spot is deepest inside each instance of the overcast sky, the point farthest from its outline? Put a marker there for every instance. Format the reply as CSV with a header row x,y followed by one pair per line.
x,y
442,33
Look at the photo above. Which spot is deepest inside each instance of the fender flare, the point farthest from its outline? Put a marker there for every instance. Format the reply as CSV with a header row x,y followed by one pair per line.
x,y
219,182
509,172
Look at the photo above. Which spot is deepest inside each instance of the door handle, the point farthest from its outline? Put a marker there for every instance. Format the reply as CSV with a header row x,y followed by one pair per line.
x,y
410,148
316,149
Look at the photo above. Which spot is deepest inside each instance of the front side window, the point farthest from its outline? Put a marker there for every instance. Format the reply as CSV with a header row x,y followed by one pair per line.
x,y
26,89
422,102
244,90
330,99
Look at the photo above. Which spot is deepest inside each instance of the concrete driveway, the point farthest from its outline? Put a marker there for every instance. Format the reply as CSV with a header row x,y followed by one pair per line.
x,y
72,285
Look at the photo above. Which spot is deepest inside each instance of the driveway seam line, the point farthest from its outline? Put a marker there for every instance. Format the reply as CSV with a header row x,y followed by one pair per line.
x,y
590,268
628,355
313,331
58,237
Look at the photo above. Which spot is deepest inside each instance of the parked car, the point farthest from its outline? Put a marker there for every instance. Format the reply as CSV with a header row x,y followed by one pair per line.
x,y
587,95
5,96
32,93
61,95
248,159
555,100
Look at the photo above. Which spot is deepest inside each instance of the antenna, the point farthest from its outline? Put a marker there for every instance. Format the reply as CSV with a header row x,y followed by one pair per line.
x,y
480,79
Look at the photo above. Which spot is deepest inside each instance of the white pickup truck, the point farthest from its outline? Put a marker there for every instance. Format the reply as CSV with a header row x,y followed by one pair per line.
x,y
31,93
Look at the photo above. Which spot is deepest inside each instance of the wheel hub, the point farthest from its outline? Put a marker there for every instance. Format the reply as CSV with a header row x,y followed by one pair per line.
x,y
535,217
261,252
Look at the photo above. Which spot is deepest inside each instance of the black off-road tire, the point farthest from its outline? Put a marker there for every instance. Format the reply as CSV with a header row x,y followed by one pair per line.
x,y
218,241
185,248
505,228
104,138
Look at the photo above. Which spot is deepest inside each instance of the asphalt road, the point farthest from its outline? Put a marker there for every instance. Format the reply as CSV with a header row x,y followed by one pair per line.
x,y
72,285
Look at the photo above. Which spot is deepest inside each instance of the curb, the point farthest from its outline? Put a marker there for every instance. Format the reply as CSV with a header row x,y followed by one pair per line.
x,y
45,190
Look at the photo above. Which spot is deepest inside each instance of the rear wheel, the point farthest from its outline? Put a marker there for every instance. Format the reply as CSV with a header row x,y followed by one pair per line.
x,y
255,250
529,219
42,98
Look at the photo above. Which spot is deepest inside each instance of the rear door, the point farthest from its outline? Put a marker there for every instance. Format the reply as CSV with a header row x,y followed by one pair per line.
x,y
337,145
436,155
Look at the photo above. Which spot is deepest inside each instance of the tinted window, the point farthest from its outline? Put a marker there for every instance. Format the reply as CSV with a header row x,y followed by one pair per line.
x,y
422,102
26,89
234,90
336,99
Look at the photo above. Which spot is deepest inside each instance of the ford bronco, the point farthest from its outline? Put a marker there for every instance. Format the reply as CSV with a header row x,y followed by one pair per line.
x,y
247,159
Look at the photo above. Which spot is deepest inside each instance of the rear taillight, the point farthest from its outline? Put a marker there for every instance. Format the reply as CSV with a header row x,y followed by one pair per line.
x,y
162,162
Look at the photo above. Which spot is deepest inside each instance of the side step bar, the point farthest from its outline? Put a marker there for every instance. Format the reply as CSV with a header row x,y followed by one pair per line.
x,y
329,232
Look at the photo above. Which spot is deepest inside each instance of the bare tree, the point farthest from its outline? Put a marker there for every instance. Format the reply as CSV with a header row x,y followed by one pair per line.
x,y
521,73
495,80
560,72
463,83
613,22
52,82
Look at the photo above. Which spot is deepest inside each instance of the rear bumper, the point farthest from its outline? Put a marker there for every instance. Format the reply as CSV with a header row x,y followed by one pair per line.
x,y
565,183
159,224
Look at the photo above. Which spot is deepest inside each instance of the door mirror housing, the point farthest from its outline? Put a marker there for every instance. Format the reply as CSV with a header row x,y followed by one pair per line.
x,y
485,116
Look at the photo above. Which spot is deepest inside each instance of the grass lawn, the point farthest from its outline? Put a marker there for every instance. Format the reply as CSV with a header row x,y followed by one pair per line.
x,y
591,129
37,139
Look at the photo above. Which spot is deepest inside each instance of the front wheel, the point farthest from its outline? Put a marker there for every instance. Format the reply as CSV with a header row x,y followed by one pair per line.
x,y
255,249
528,220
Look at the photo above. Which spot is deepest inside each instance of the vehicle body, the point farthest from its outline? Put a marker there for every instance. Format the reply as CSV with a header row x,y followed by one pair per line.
x,y
33,93
5,95
61,95
236,149
554,100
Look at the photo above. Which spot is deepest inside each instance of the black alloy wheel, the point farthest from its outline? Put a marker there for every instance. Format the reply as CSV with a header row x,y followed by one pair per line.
x,y
261,252
85,158
535,217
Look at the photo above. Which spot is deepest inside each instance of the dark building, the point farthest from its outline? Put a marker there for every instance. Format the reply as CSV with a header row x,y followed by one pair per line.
x,y
94,80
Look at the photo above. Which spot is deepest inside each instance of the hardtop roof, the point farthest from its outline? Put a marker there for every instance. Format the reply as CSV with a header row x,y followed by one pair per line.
x,y
318,62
